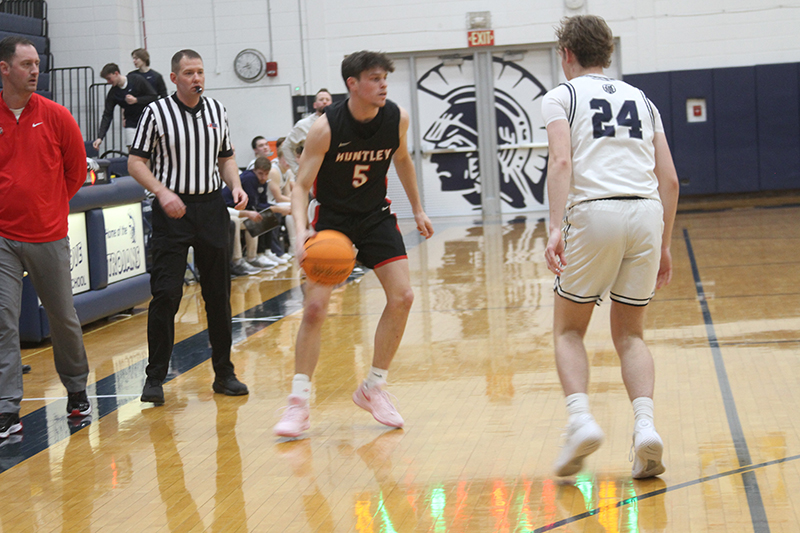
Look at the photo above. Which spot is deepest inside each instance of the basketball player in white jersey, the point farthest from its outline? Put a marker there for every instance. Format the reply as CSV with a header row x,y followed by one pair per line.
x,y
613,193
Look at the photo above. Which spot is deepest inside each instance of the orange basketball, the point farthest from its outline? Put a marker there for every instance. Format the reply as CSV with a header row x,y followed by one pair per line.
x,y
330,257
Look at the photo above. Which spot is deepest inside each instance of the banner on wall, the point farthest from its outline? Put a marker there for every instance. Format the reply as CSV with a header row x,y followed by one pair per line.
x,y
449,126
78,258
124,242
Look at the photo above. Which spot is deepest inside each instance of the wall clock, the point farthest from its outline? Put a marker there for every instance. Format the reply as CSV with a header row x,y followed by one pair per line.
x,y
250,65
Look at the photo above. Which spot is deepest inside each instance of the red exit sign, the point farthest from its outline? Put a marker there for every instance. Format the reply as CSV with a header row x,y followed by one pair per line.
x,y
480,38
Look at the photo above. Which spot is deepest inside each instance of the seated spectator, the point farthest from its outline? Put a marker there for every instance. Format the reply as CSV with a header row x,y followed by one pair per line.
x,y
262,187
300,130
281,168
141,60
260,149
254,183
132,94
240,267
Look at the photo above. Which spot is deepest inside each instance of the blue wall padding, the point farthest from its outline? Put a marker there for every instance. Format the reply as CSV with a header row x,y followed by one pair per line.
x,y
735,129
751,141
657,88
778,104
97,253
90,305
119,296
693,142
120,191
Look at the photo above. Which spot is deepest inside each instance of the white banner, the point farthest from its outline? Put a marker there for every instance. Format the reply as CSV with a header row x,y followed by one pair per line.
x,y
78,252
124,242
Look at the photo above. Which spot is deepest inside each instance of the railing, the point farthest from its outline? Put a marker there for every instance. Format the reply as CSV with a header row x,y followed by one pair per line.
x,y
115,138
74,88
70,87
26,8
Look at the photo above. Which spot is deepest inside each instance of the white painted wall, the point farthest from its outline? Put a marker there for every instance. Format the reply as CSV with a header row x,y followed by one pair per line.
x,y
655,35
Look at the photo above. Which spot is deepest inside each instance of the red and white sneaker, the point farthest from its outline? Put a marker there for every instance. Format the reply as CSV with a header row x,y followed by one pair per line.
x,y
376,401
295,419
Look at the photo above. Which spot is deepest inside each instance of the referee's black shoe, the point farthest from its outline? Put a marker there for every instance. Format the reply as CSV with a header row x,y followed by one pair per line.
x,y
26,369
153,392
230,386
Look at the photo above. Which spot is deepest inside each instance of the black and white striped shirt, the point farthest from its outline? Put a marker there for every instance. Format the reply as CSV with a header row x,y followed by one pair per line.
x,y
184,143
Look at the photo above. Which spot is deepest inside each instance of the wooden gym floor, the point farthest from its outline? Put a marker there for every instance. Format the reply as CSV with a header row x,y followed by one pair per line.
x,y
476,383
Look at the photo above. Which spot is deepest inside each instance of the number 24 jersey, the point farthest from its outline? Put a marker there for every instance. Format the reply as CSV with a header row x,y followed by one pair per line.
x,y
612,125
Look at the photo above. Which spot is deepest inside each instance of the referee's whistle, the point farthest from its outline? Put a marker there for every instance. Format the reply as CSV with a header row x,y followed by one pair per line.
x,y
198,90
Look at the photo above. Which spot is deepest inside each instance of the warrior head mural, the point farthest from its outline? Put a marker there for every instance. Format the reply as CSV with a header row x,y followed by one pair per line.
x,y
516,103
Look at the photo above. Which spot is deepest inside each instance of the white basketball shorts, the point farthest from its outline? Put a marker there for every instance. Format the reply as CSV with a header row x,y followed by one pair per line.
x,y
612,246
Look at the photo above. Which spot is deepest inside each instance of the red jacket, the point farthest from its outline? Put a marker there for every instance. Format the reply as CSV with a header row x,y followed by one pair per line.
x,y
42,166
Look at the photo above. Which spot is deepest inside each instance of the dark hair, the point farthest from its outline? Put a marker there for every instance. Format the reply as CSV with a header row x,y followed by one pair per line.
x,y
589,38
323,90
8,47
255,140
358,62
109,69
180,54
279,142
141,53
298,149
262,163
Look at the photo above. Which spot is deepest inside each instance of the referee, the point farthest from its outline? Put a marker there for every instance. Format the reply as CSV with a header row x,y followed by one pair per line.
x,y
186,139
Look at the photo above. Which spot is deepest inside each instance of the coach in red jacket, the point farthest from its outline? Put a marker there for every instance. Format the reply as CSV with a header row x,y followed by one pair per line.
x,y
42,165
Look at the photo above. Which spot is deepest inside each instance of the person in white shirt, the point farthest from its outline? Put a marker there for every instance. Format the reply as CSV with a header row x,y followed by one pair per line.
x,y
300,130
613,193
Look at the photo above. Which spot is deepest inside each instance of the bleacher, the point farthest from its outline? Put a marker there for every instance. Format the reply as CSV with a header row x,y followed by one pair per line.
x,y
28,18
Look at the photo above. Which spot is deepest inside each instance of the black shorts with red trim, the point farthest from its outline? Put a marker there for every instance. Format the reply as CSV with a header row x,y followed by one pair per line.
x,y
376,234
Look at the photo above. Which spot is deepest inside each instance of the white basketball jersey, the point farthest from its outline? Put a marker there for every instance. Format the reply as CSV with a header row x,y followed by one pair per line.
x,y
612,125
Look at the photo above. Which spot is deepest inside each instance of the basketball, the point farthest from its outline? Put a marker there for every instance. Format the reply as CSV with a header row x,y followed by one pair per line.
x,y
330,257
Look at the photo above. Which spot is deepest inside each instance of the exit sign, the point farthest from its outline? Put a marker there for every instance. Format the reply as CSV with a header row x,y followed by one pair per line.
x,y
480,38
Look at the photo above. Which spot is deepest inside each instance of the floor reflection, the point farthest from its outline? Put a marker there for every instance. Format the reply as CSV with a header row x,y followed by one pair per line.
x,y
476,383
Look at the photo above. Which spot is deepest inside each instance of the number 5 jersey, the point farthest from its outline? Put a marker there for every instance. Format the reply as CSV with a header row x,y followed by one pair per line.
x,y
352,177
612,125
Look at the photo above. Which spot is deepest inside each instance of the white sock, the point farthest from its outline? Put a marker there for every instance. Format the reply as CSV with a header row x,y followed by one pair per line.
x,y
643,410
376,377
577,404
301,386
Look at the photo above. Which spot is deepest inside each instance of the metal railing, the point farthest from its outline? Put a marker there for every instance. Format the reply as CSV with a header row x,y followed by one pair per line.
x,y
74,88
115,138
70,88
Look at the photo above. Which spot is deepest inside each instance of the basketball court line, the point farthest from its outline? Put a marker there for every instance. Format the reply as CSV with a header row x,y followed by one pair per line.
x,y
758,514
194,351
64,397
750,469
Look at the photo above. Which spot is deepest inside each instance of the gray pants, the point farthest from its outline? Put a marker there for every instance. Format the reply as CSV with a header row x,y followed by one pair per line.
x,y
48,265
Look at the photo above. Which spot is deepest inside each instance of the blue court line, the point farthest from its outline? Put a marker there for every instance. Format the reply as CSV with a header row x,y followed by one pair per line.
x,y
758,514
49,424
742,470
746,469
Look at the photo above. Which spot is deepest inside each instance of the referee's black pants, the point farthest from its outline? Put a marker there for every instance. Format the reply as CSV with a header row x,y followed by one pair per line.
x,y
204,227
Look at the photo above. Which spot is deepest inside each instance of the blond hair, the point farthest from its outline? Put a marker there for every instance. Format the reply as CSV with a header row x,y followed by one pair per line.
x,y
589,38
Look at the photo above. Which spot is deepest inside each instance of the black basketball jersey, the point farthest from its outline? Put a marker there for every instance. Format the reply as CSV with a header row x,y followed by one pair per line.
x,y
352,177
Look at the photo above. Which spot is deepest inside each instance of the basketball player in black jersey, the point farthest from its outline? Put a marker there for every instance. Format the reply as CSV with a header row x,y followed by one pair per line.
x,y
344,163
